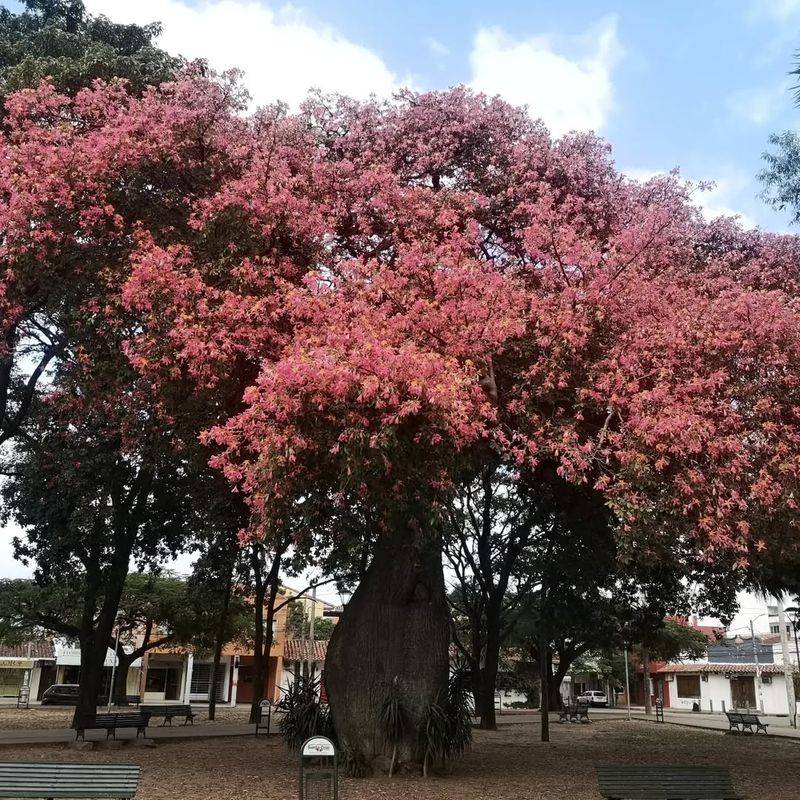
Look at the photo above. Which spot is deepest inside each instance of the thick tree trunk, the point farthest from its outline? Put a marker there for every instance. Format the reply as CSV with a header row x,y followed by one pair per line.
x,y
395,628
262,663
90,680
94,637
646,670
489,680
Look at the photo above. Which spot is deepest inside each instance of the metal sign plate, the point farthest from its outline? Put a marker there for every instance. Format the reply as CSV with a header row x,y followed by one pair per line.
x,y
319,746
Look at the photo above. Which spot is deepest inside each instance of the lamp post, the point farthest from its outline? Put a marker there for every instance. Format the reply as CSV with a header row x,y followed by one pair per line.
x,y
795,624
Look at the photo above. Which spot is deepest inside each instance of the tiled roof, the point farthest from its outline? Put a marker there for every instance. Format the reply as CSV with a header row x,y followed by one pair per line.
x,y
299,650
719,669
40,649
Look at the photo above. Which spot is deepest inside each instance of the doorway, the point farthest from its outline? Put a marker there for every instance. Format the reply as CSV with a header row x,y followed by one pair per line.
x,y
743,691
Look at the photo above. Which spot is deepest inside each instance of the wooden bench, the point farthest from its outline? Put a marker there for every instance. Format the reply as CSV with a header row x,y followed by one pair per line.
x,y
741,721
657,782
170,711
48,781
574,712
111,722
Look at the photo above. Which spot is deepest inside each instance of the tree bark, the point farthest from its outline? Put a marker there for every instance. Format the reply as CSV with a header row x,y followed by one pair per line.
x,y
555,681
120,693
395,627
489,676
544,692
265,594
95,635
219,643
646,674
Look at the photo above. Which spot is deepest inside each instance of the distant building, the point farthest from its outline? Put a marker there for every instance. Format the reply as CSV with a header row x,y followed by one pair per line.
x,y
171,673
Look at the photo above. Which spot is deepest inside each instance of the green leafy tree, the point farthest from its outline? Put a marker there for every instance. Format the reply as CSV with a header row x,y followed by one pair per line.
x,y
155,610
298,624
59,40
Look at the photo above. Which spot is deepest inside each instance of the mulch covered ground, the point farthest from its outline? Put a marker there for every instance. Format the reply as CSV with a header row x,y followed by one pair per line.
x,y
509,764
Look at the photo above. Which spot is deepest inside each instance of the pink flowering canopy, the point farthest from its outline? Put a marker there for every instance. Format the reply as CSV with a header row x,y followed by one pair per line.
x,y
354,294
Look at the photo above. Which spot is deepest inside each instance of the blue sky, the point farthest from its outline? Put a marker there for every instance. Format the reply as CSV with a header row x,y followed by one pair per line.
x,y
698,85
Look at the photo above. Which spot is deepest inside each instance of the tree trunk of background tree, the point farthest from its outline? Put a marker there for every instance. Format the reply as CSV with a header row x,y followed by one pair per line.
x,y
120,688
646,674
219,643
555,681
395,627
489,675
544,692
265,594
96,634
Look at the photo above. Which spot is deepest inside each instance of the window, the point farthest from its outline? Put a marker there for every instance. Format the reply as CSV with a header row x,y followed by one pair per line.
x,y
774,627
688,686
201,679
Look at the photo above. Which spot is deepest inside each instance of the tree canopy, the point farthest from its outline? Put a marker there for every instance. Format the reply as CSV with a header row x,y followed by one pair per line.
x,y
60,41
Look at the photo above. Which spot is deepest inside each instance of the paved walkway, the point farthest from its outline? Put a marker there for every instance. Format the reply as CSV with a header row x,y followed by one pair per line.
x,y
778,726
56,735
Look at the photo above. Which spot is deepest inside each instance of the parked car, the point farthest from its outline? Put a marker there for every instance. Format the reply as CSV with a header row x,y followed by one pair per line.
x,y
60,694
596,698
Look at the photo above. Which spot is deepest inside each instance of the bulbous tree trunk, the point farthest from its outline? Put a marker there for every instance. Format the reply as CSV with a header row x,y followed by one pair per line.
x,y
395,628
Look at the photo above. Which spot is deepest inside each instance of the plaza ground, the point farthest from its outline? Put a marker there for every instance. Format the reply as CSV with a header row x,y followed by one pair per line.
x,y
507,764
47,717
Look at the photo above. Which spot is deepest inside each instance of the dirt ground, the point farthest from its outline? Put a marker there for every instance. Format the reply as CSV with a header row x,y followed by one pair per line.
x,y
509,764
61,716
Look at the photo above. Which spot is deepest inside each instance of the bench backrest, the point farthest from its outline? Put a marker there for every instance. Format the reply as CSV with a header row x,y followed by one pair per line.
x,y
733,716
38,779
657,782
168,709
120,720
750,719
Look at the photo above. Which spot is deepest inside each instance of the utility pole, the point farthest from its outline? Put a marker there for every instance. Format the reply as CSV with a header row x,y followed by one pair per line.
x,y
627,684
758,667
788,673
310,638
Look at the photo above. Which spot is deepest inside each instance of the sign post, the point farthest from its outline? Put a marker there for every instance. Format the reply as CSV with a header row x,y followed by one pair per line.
x,y
319,770
264,706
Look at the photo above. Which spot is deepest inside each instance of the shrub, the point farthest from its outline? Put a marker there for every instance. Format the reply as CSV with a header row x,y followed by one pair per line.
x,y
304,715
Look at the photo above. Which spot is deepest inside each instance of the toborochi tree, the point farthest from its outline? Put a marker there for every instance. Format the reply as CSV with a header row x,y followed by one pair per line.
x,y
452,276
349,299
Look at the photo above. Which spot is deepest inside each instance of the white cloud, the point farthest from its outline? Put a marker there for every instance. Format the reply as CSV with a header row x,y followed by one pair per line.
x,y
436,48
781,10
282,52
759,106
566,82
732,188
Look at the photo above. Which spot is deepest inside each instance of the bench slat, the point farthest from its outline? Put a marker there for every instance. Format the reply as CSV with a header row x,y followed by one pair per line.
x,y
68,779
656,782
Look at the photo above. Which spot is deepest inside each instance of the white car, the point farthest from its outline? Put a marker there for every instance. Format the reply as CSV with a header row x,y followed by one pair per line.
x,y
596,698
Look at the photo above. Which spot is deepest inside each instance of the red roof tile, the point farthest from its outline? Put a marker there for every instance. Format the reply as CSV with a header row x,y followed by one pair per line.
x,y
299,650
719,669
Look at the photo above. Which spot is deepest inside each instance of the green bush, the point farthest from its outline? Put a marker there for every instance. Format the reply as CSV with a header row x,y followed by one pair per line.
x,y
304,715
